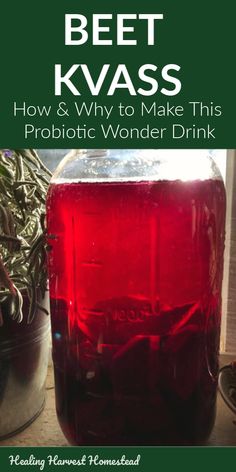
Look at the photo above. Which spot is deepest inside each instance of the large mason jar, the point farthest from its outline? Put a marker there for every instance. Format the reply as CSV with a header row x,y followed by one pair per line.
x,y
136,241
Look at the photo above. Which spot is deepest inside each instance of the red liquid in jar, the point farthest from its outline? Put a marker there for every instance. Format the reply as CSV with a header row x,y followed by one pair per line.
x,y
135,287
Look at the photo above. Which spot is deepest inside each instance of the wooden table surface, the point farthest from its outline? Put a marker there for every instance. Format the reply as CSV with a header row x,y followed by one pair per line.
x,y
45,430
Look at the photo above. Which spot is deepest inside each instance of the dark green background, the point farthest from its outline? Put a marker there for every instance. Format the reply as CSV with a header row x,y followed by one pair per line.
x,y
152,459
197,35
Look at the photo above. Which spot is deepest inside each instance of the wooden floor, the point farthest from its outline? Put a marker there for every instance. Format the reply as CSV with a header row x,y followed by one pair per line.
x,y
45,431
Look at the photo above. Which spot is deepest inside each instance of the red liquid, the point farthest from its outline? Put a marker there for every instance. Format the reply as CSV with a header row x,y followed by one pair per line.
x,y
135,285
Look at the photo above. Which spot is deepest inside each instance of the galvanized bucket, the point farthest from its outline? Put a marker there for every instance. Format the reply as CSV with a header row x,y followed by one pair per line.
x,y
24,350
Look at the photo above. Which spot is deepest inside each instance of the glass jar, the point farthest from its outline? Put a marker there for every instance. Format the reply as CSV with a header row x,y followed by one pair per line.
x,y
136,241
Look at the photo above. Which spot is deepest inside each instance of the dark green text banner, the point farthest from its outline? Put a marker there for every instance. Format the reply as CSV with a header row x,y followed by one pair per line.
x,y
107,74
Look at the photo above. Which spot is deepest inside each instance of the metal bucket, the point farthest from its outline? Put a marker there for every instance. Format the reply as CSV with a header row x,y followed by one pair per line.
x,y
24,350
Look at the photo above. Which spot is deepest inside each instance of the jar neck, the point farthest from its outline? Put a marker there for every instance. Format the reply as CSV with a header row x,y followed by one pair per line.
x,y
91,152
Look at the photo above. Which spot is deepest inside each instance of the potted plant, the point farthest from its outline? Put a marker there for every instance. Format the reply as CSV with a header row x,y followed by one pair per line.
x,y
24,324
